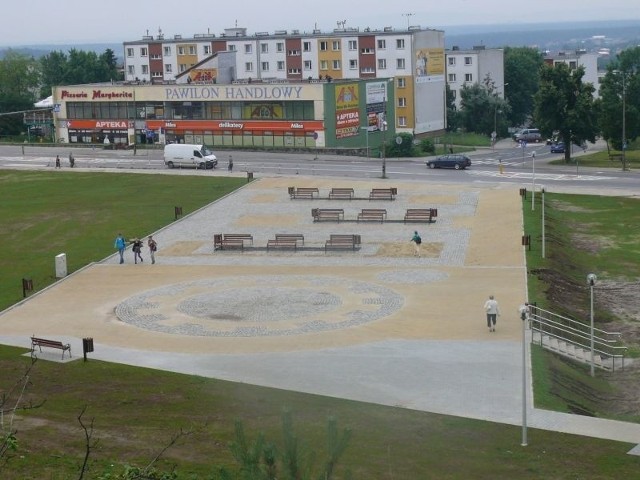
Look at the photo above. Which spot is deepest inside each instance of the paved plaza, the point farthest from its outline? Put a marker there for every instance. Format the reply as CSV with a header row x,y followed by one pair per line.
x,y
377,324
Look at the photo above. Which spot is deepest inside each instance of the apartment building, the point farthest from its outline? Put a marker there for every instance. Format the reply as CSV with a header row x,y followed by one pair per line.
x,y
413,59
468,67
575,59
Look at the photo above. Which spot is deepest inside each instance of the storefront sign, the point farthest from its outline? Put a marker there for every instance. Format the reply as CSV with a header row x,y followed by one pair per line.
x,y
250,125
244,92
99,124
95,95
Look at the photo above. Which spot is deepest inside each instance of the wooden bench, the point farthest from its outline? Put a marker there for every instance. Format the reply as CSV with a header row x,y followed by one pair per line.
x,y
341,194
233,240
304,192
298,237
419,215
383,194
372,214
350,242
42,342
327,214
616,157
282,243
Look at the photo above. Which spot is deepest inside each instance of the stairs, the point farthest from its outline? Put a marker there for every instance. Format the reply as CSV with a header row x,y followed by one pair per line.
x,y
574,352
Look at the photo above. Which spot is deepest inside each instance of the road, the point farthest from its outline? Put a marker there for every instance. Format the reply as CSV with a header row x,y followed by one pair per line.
x,y
519,166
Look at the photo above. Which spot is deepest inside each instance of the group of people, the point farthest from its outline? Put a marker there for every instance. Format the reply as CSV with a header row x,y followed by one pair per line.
x,y
72,161
137,244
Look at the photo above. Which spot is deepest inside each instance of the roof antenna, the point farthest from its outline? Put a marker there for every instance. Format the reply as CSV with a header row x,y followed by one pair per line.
x,y
408,15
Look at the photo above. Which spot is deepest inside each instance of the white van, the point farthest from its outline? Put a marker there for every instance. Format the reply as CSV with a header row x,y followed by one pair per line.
x,y
183,155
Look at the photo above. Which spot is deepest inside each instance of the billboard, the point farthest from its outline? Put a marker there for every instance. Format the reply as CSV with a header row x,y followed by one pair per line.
x,y
347,110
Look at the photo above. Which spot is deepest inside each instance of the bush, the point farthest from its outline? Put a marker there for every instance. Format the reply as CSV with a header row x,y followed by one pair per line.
x,y
403,149
427,146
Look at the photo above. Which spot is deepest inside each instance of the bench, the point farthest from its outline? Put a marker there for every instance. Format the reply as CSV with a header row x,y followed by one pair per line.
x,y
616,157
234,240
304,192
282,243
341,194
327,214
42,342
372,214
383,194
421,215
298,237
342,242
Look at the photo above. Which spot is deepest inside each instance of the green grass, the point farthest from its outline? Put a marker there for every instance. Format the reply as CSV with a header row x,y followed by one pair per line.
x,y
465,139
584,234
135,412
48,213
601,160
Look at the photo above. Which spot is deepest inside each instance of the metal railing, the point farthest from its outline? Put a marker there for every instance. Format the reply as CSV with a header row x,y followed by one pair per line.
x,y
607,345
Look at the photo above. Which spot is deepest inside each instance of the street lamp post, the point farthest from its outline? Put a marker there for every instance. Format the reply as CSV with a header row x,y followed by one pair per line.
x,y
591,280
366,129
523,316
533,187
543,239
624,122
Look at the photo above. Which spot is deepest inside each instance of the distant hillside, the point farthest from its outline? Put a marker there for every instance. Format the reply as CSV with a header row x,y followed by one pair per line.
x,y
37,51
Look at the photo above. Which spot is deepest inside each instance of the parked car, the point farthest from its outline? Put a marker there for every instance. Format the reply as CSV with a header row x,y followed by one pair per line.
x,y
528,135
459,162
557,148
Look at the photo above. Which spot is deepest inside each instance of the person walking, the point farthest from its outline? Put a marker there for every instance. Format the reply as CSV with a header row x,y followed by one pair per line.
x,y
493,312
230,167
137,250
153,247
120,244
417,241
57,161
72,161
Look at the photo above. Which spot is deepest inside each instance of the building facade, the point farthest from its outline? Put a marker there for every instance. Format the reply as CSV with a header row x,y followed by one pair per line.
x,y
468,67
413,59
579,58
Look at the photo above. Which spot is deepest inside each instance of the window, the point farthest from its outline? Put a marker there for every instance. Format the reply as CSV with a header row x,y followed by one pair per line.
x,y
454,94
324,65
402,102
264,48
280,66
336,65
180,50
402,82
265,66
307,64
167,51
306,46
366,51
280,47
402,121
335,45
145,69
353,45
248,48
232,48
293,53
129,52
143,51
168,68
155,56
156,74
451,60
182,67
573,65
400,63
382,44
131,69
353,64
248,66
452,77
206,49
468,61
382,64
192,50
400,43
367,70
468,77
294,71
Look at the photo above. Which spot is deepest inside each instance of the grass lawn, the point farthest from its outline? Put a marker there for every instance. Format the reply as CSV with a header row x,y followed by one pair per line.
x,y
601,160
136,411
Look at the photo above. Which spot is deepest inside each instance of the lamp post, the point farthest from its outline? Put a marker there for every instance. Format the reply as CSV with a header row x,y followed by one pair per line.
x,y
366,129
523,316
494,135
533,187
543,239
591,280
624,122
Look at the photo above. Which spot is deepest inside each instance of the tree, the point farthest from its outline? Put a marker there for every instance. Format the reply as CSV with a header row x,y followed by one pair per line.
x,y
453,116
18,88
521,75
565,104
622,79
479,106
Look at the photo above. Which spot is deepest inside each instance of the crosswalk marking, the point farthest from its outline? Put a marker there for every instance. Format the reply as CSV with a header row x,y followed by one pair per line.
x,y
541,176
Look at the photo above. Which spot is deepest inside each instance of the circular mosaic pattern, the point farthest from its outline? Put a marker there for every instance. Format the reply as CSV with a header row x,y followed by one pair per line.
x,y
412,276
254,306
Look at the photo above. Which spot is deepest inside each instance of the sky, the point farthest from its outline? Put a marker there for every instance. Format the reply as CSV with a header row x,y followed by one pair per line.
x,y
46,22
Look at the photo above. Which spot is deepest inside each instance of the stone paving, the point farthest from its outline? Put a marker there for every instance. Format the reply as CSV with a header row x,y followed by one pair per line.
x,y
377,324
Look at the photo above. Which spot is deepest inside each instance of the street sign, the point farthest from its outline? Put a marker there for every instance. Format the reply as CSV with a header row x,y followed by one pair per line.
x,y
399,140
494,135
